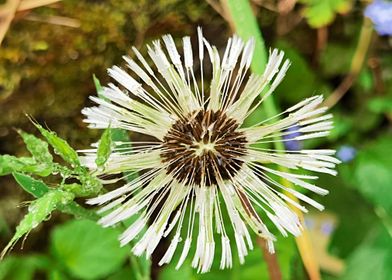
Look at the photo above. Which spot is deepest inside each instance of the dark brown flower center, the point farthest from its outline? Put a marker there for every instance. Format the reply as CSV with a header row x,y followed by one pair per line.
x,y
203,147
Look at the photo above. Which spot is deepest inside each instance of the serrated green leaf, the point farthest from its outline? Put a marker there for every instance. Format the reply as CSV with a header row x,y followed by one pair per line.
x,y
60,146
9,164
38,188
38,211
87,250
38,148
35,187
104,147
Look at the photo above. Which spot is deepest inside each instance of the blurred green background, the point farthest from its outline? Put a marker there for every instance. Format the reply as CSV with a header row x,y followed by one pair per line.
x,y
51,50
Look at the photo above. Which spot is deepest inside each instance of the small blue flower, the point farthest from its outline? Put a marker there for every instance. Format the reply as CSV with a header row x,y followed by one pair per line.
x,y
327,228
290,143
380,12
346,153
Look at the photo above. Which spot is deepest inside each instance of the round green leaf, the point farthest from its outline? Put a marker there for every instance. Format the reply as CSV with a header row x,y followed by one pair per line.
x,y
87,250
373,173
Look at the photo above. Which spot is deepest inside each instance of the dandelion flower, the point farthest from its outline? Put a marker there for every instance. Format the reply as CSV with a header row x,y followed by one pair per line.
x,y
203,171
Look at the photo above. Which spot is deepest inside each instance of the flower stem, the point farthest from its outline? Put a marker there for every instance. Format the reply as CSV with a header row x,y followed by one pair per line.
x,y
246,26
356,64
271,260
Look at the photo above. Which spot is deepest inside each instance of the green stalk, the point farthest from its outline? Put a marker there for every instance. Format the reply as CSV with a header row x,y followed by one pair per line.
x,y
245,24
246,27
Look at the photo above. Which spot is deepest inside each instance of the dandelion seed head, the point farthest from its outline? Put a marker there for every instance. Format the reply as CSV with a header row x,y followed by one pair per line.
x,y
202,145
205,173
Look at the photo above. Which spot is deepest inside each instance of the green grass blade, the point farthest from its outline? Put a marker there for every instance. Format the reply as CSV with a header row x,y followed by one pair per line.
x,y
245,24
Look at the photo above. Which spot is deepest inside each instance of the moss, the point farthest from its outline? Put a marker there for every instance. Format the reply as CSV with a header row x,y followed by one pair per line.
x,y
46,70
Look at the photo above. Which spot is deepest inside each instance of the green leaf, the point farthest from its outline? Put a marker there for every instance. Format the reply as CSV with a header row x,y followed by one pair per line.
x,y
371,260
366,79
98,85
35,187
38,188
38,148
10,267
170,272
60,146
340,202
56,274
104,147
123,274
373,173
87,250
78,211
321,13
9,164
39,210
381,105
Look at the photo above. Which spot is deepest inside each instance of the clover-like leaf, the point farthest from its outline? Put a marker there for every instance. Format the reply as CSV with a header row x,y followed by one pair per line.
x,y
87,250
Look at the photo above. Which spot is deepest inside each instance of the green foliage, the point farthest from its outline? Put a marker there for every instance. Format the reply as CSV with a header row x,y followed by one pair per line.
x,y
373,259
9,164
381,105
79,249
104,148
39,149
373,175
321,13
22,268
39,210
35,187
83,244
98,86
60,146
41,164
87,250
